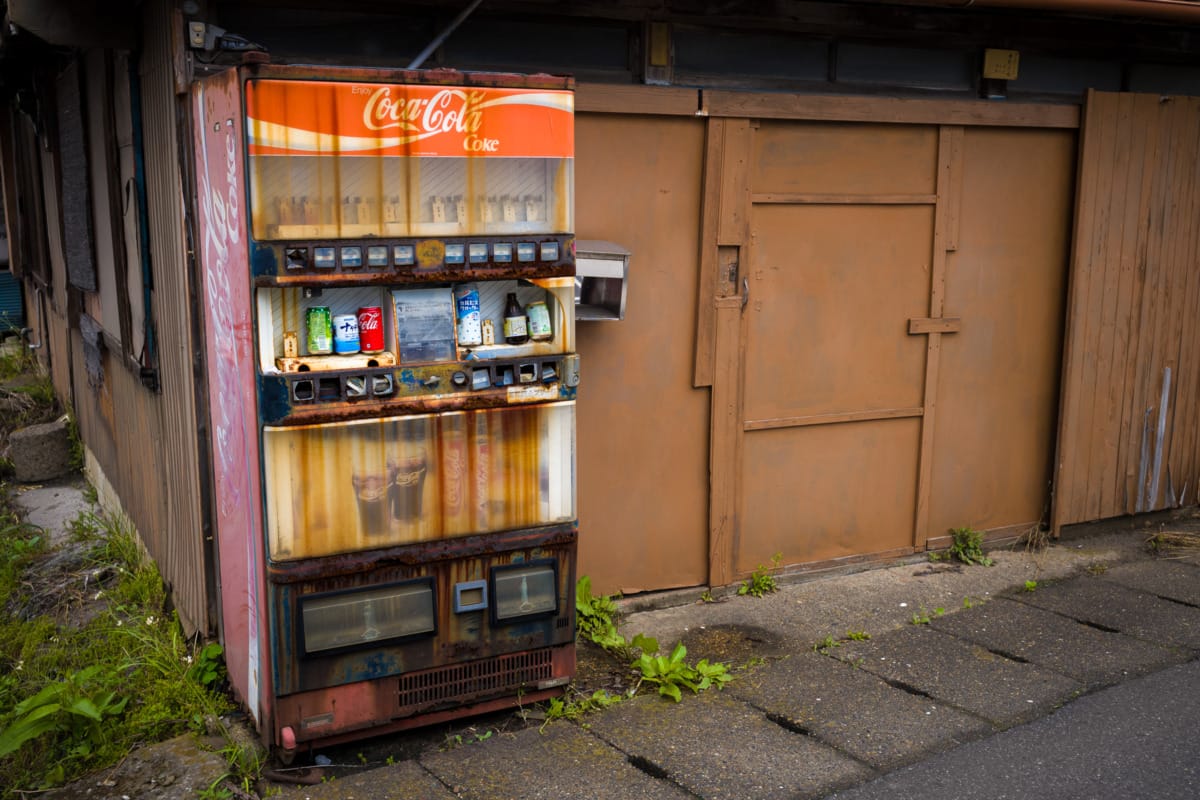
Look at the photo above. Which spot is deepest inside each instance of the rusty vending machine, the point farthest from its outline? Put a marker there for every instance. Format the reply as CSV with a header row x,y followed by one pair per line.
x,y
387,265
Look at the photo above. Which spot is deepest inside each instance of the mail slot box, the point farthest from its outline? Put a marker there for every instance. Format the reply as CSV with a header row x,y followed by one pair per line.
x,y
601,277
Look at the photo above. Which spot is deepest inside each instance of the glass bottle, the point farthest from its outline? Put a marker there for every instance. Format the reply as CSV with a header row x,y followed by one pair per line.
x,y
516,325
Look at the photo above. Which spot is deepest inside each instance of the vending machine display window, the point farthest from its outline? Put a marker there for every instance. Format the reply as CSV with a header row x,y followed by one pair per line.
x,y
367,617
523,591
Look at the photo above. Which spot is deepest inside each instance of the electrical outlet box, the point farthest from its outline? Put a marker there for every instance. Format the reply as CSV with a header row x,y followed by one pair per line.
x,y
196,34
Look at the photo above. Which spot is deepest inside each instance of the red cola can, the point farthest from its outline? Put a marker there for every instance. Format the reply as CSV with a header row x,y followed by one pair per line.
x,y
370,329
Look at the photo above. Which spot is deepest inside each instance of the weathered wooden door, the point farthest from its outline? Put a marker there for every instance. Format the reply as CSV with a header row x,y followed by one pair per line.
x,y
1129,440
851,263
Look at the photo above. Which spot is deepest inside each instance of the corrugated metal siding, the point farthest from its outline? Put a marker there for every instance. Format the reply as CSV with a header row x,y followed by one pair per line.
x,y
153,462
1131,325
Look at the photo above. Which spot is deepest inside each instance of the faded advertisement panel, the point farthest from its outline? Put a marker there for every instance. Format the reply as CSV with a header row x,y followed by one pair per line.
x,y
229,350
350,486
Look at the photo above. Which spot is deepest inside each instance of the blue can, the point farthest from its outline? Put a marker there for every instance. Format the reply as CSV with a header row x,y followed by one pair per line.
x,y
345,333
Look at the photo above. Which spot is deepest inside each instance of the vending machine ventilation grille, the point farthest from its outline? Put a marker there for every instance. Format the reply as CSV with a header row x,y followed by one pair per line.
x,y
501,674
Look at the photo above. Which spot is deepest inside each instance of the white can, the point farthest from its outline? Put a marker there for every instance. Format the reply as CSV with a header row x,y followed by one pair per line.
x,y
466,309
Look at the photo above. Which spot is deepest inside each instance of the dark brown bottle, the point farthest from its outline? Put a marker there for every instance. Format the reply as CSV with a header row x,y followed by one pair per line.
x,y
516,324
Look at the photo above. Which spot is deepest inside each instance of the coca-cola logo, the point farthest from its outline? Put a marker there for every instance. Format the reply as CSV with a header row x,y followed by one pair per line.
x,y
448,110
369,320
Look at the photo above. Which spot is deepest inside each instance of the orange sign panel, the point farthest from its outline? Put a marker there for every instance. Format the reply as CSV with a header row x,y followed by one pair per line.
x,y
326,118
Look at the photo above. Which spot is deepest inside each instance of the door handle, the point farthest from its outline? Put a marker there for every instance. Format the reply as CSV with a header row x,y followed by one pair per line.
x,y
745,292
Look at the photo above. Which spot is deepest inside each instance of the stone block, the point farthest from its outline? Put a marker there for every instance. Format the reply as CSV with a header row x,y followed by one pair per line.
x,y
40,452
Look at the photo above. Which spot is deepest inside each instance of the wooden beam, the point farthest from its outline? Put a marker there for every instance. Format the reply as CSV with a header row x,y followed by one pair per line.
x,y
725,452
604,98
828,419
774,105
935,325
799,198
949,162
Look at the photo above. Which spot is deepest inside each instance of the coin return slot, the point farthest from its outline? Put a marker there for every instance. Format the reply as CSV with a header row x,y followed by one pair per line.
x,y
329,389
527,373
302,391
356,386
381,385
504,375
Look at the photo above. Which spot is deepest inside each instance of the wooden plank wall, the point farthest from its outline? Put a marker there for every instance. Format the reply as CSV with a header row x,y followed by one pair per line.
x,y
1128,433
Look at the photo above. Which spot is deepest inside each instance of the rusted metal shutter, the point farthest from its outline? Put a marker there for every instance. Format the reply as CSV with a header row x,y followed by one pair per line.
x,y
1128,428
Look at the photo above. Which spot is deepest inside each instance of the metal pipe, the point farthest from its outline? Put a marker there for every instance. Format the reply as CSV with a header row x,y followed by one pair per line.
x,y
444,35
1159,10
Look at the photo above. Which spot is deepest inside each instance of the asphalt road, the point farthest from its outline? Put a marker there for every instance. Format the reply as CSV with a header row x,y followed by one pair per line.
x,y
1139,739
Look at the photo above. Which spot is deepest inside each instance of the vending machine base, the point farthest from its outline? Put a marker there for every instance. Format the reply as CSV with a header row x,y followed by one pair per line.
x,y
419,699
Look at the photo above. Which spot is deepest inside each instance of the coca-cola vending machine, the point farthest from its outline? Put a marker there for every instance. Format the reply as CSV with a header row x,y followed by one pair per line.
x,y
388,274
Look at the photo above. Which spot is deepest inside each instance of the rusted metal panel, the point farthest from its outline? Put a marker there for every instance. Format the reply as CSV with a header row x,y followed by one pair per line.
x,y
1128,434
457,636
845,159
828,491
176,534
232,411
829,307
637,539
997,385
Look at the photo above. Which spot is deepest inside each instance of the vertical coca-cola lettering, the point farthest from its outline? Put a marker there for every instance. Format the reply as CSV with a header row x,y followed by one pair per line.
x,y
370,329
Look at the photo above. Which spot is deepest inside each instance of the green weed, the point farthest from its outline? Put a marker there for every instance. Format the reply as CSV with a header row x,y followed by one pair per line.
x,y
761,581
77,698
672,673
1031,586
968,547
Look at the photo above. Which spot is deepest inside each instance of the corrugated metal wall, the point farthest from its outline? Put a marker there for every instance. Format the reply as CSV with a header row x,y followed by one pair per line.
x,y
1129,433
146,443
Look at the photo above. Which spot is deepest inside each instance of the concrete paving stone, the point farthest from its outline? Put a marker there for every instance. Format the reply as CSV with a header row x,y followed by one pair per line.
x,y
562,762
968,676
1170,578
854,711
1106,603
403,780
1091,656
720,748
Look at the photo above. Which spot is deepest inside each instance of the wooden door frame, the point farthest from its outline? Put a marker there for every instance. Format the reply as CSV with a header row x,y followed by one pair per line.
x,y
727,199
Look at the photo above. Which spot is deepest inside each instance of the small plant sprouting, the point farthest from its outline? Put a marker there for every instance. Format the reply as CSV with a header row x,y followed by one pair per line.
x,y
968,602
672,672
1097,568
1031,586
923,617
706,597
825,644
761,581
968,546
858,636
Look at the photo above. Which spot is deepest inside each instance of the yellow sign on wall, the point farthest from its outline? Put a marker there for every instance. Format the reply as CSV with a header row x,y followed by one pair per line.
x,y
1001,64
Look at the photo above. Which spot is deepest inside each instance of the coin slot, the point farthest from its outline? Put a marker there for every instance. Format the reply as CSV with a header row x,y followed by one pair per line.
x,y
527,373
302,391
329,389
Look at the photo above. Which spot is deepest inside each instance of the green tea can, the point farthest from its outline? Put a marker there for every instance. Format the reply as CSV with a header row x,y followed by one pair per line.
x,y
319,323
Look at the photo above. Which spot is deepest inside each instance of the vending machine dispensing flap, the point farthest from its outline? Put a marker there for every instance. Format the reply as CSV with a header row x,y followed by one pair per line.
x,y
601,275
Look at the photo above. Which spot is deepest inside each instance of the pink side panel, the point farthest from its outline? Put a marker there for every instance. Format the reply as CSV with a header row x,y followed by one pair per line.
x,y
229,350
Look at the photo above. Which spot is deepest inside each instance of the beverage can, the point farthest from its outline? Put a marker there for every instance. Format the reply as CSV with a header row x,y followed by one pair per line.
x,y
370,329
466,308
539,321
319,324
345,333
